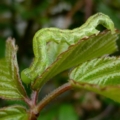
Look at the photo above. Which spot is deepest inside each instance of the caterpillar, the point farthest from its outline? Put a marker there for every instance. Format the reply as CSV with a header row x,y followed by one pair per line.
x,y
70,37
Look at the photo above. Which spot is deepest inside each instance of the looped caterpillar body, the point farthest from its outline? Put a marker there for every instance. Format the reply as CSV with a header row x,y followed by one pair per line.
x,y
70,37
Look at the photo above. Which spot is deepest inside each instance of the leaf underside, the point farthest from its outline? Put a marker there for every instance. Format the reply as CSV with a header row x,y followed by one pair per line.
x,y
13,113
85,49
10,85
100,75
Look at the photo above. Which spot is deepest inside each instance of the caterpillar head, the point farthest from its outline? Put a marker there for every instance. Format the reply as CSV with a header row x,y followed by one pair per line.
x,y
26,78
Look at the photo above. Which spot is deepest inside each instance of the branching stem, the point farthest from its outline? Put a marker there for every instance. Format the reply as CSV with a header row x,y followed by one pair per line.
x,y
51,96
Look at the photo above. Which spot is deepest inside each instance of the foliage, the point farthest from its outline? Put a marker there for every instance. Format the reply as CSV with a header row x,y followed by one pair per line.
x,y
21,19
10,84
93,71
82,51
14,113
99,75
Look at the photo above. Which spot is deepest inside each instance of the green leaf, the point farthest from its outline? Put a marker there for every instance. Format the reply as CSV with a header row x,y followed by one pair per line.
x,y
13,113
83,50
100,75
10,84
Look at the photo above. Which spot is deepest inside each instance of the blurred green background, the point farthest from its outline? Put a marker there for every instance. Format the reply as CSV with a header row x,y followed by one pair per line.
x,y
20,19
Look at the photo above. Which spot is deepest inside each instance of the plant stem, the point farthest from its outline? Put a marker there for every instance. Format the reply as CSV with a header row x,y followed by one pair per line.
x,y
32,102
51,96
28,101
34,97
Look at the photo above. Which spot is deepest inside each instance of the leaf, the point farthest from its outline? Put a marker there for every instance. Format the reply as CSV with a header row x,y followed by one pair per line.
x,y
83,50
10,84
100,75
13,113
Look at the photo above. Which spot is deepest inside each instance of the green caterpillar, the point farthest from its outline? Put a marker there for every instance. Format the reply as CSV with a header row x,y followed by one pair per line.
x,y
45,35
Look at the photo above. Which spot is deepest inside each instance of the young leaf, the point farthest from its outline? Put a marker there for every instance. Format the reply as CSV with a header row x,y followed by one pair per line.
x,y
100,75
13,113
10,85
83,50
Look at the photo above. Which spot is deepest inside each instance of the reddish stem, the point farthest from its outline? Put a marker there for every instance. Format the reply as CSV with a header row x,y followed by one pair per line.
x,y
51,96
28,101
32,102
34,97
